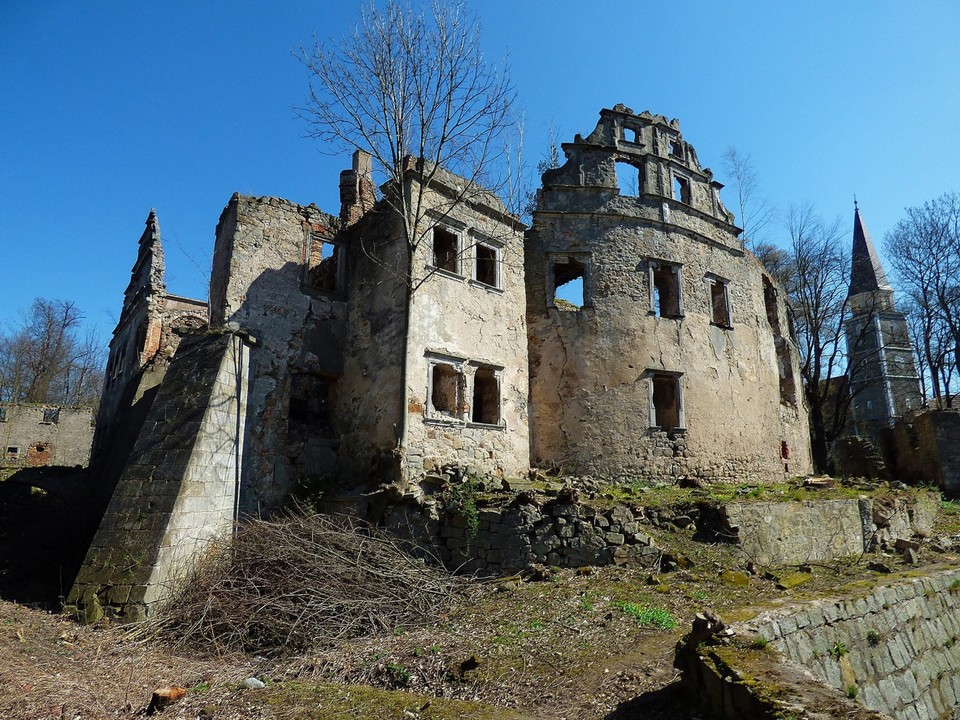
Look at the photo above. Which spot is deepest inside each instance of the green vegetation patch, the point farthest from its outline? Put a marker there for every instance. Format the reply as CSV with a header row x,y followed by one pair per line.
x,y
648,616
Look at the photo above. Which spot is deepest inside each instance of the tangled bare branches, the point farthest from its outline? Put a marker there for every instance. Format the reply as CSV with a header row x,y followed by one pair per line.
x,y
304,580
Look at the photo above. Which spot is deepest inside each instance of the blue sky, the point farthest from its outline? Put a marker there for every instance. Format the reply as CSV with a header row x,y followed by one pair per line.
x,y
111,108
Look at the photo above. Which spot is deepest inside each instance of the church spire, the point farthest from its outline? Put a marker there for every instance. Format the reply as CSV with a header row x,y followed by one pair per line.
x,y
866,272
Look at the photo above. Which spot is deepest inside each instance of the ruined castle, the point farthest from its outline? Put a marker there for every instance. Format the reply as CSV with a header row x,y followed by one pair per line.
x,y
329,357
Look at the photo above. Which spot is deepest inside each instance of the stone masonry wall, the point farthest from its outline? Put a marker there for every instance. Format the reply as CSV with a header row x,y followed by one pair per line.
x,y
793,533
898,645
926,449
37,435
179,488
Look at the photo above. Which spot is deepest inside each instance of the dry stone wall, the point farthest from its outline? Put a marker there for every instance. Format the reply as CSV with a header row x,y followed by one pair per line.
x,y
898,646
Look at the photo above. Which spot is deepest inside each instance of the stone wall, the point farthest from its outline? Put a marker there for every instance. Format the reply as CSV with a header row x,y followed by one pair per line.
x,y
793,533
897,645
672,305
179,488
925,449
38,435
263,285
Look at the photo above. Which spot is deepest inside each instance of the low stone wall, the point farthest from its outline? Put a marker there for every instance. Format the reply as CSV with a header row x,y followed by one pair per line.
x,y
895,648
561,533
793,533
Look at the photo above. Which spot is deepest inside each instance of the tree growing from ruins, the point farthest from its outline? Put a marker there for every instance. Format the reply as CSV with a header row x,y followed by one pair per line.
x,y
817,282
45,359
924,251
415,91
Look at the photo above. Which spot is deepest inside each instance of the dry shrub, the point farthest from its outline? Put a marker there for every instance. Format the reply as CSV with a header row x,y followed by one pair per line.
x,y
303,581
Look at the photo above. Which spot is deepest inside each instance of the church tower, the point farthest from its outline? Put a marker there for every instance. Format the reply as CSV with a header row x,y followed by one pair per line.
x,y
884,380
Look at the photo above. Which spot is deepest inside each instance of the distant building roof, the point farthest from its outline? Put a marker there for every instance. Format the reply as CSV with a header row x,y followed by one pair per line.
x,y
866,272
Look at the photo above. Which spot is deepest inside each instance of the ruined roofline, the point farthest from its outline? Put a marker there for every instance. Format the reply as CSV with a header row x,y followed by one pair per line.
x,y
451,184
236,198
184,299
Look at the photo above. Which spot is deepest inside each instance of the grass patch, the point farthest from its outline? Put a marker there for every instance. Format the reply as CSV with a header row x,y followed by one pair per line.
x,y
648,616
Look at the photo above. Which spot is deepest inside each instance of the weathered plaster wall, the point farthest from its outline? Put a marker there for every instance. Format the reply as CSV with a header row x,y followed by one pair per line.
x,y
590,368
261,285
179,488
926,449
475,327
793,533
37,435
899,644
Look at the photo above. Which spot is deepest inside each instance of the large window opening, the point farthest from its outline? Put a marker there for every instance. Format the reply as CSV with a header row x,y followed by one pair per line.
x,y
568,276
665,286
666,410
326,267
486,397
487,265
444,390
446,250
719,302
628,179
681,189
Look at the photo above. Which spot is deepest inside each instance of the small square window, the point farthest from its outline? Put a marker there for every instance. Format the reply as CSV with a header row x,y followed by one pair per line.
x,y
51,415
719,302
631,135
487,267
568,281
676,149
13,452
446,250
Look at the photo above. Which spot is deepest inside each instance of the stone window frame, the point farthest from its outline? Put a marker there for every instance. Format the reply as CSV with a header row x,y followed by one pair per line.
x,y
654,374
654,264
457,366
457,229
12,452
585,259
3,414
497,371
628,129
684,183
636,167
339,251
713,282
51,416
479,241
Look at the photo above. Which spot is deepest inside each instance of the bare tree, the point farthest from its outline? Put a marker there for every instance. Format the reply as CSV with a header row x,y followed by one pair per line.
x,y
417,93
45,360
755,211
831,350
924,249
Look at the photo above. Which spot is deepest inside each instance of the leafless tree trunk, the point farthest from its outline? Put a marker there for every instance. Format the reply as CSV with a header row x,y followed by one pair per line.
x,y
417,93
924,249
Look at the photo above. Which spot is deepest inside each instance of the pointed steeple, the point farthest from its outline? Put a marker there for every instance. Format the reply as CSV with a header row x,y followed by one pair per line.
x,y
866,272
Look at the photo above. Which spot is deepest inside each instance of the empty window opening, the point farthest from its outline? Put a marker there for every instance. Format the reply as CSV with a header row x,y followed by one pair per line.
x,y
628,179
486,397
445,385
3,414
631,135
665,280
676,149
666,410
446,250
487,265
770,304
719,303
681,189
569,283
311,405
325,266
51,415
13,451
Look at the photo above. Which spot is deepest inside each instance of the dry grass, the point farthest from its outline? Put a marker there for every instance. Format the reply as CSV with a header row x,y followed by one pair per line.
x,y
299,582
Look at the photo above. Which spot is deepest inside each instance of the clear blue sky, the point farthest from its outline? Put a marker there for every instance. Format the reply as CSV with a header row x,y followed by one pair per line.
x,y
111,108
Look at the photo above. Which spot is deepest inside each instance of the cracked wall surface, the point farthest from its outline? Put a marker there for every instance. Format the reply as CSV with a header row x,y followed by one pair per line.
x,y
591,367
